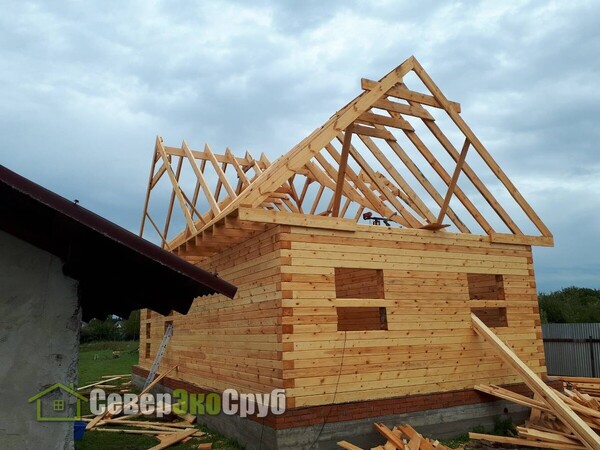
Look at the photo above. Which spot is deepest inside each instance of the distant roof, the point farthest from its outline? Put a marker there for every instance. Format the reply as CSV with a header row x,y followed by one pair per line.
x,y
118,271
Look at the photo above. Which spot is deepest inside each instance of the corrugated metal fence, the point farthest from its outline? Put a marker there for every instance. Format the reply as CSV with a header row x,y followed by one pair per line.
x,y
572,349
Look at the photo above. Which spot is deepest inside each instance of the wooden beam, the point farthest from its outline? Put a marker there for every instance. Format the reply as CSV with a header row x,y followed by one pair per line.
x,y
207,192
317,199
410,220
565,414
443,174
472,176
176,188
380,133
469,172
378,119
339,185
219,171
169,214
285,218
406,94
407,110
148,190
374,202
453,181
479,147
422,179
416,201
349,190
297,157
504,238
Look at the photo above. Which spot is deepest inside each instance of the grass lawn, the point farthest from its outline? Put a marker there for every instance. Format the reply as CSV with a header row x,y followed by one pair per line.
x,y
96,360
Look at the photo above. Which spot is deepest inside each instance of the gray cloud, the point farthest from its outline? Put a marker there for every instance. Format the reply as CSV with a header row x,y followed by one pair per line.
x,y
85,88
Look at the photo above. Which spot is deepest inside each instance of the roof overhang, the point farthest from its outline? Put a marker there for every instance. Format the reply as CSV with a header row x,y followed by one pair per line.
x,y
118,272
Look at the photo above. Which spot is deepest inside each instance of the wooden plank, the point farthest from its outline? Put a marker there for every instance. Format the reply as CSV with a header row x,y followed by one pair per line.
x,y
416,172
285,218
380,133
378,119
479,147
588,437
348,446
453,181
402,183
524,442
374,202
220,173
205,188
472,176
176,187
174,438
151,184
295,159
172,201
409,219
101,382
339,185
406,94
400,108
387,433
443,174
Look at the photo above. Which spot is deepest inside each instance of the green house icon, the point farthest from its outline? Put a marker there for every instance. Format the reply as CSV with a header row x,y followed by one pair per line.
x,y
57,405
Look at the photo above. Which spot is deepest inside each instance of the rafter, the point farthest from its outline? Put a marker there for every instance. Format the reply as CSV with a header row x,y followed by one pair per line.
x,y
391,182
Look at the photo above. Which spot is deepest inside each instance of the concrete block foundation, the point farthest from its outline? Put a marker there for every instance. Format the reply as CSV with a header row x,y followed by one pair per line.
x,y
443,422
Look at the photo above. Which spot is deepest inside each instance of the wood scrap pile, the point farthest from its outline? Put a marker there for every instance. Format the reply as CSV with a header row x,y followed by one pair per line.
x,y
169,429
583,385
544,429
400,437
118,384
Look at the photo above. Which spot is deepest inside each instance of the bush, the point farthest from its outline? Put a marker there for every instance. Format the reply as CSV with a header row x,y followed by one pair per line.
x,y
570,305
113,328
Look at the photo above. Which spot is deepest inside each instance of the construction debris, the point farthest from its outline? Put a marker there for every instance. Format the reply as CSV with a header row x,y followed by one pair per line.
x,y
568,420
169,430
400,437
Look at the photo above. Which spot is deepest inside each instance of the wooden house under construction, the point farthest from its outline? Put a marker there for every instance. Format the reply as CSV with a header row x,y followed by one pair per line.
x,y
359,256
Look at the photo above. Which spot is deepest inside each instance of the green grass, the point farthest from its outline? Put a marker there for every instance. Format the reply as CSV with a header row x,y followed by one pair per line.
x,y
96,360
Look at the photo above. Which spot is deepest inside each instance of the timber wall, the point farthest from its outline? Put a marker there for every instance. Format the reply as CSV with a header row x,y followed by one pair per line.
x,y
223,343
428,345
281,330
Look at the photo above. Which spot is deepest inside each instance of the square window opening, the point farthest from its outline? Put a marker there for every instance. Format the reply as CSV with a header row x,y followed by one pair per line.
x,y
483,286
492,317
361,318
147,354
148,330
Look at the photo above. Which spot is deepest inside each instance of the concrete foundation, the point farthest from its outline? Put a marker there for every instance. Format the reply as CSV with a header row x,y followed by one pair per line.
x,y
39,345
438,423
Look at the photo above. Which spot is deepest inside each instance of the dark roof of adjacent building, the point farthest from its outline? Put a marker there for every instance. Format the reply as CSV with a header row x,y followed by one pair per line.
x,y
118,271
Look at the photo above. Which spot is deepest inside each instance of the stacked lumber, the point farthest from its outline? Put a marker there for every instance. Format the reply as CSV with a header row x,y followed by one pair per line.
x,y
583,385
568,420
400,437
544,429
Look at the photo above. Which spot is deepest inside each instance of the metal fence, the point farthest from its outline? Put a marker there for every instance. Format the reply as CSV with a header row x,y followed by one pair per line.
x,y
572,349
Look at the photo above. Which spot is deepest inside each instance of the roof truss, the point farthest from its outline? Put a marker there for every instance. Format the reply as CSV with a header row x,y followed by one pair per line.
x,y
385,152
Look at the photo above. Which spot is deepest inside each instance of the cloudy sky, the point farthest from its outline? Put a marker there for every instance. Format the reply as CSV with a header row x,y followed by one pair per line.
x,y
86,86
